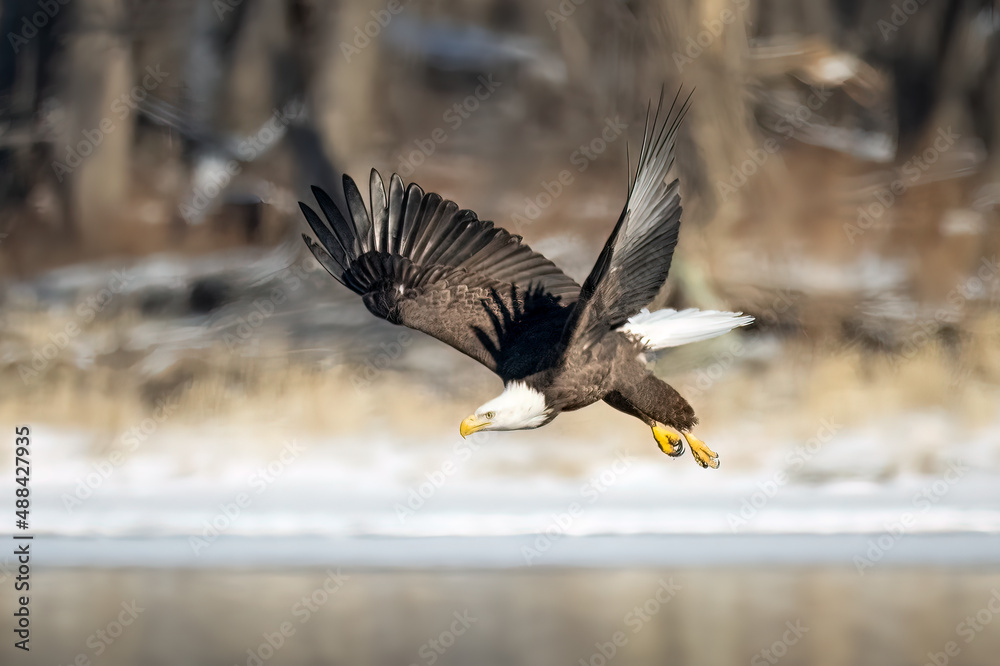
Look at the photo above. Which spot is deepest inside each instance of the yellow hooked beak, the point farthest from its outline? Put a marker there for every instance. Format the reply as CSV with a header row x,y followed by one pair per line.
x,y
471,425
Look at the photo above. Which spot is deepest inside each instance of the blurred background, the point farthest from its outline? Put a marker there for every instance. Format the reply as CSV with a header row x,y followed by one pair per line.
x,y
233,462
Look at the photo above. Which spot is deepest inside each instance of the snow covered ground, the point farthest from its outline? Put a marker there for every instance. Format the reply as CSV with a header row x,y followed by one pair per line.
x,y
178,501
221,486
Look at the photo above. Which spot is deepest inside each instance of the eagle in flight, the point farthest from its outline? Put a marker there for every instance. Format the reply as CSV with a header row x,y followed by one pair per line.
x,y
418,260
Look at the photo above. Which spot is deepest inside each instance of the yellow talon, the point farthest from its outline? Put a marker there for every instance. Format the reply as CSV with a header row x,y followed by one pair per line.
x,y
705,456
668,440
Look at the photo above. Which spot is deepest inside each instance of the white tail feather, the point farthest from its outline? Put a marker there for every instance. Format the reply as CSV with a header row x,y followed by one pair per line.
x,y
670,328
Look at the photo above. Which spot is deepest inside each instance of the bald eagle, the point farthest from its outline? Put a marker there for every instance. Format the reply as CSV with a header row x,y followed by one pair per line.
x,y
418,260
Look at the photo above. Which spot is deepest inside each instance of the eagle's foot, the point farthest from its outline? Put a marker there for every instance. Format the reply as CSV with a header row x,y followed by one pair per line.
x,y
668,440
705,456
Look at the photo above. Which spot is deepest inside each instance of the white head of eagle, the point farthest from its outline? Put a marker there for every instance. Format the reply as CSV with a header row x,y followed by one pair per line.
x,y
519,407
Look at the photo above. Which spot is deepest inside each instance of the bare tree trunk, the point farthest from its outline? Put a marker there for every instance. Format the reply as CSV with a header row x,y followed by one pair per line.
x,y
347,77
99,133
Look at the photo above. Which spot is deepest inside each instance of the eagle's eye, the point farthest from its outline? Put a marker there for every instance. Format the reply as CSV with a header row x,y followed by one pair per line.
x,y
489,416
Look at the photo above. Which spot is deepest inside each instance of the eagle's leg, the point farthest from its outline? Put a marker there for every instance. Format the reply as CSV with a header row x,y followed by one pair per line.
x,y
667,438
667,413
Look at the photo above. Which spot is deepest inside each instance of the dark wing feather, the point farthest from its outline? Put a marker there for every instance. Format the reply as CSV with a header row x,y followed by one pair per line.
x,y
379,204
419,261
356,206
636,259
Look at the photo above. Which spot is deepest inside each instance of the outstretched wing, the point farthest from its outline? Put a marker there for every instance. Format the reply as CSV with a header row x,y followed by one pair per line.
x,y
636,259
419,261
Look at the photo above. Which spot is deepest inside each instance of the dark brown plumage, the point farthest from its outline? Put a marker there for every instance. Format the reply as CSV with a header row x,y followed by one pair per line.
x,y
419,261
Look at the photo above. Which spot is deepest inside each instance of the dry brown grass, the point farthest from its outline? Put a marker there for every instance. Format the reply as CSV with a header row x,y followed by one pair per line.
x,y
783,396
